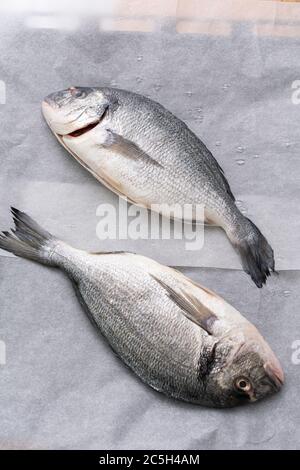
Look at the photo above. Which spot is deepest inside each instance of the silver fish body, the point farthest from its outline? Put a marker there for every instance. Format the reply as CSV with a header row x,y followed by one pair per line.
x,y
143,152
177,336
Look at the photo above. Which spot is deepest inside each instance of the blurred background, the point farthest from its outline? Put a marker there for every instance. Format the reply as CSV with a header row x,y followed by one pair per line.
x,y
190,16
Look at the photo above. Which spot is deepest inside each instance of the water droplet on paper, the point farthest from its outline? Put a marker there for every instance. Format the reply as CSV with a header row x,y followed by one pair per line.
x,y
256,155
218,143
240,161
157,87
139,58
226,86
195,114
139,79
288,144
240,149
286,293
189,93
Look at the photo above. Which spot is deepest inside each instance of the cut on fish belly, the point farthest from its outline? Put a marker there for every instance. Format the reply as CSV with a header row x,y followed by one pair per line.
x,y
177,336
141,151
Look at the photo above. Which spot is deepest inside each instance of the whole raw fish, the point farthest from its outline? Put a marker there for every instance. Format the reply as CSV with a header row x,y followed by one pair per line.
x,y
142,152
177,336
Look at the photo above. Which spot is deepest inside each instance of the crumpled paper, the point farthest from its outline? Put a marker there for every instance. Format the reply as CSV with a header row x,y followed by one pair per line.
x,y
231,77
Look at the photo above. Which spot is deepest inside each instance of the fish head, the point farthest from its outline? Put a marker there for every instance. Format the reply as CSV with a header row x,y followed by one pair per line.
x,y
245,369
77,116
74,111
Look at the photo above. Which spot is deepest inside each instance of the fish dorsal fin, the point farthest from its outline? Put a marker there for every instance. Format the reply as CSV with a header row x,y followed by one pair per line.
x,y
191,306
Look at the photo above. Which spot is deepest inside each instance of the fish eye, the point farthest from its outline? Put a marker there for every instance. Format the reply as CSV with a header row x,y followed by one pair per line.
x,y
243,384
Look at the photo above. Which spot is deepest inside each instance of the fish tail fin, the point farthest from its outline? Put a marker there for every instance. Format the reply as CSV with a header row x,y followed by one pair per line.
x,y
256,254
28,239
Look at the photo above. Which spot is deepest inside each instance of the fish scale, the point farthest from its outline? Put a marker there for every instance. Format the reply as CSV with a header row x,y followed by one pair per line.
x,y
133,323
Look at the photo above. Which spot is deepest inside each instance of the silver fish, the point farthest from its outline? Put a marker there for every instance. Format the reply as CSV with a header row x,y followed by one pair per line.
x,y
177,336
142,152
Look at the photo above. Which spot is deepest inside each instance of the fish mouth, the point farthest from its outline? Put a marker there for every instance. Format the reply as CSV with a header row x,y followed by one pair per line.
x,y
63,127
86,128
82,130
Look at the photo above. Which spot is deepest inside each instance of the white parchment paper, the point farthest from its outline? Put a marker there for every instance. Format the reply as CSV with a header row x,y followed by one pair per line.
x,y
230,71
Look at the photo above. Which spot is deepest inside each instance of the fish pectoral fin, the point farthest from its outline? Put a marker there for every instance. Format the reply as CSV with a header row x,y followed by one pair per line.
x,y
125,147
192,308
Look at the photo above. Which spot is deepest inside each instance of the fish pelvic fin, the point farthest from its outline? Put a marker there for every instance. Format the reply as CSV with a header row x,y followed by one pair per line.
x,y
256,254
28,239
